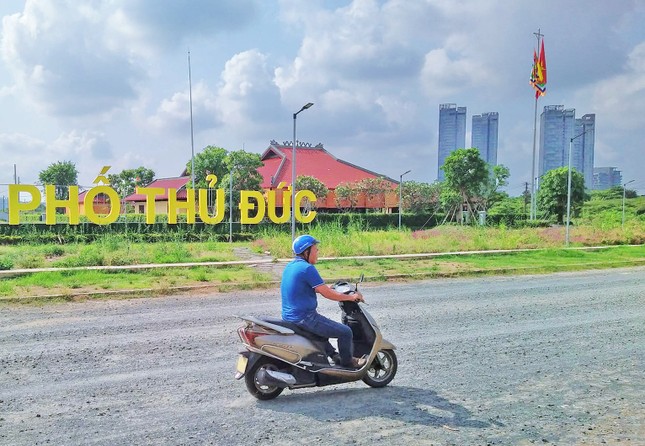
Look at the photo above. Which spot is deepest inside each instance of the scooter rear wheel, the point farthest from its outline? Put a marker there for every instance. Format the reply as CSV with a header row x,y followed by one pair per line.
x,y
382,369
261,391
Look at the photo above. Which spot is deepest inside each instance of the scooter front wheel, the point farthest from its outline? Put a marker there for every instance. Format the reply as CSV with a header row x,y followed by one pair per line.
x,y
255,388
382,369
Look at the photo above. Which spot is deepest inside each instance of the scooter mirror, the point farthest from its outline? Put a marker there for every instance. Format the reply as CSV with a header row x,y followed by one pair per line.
x,y
360,280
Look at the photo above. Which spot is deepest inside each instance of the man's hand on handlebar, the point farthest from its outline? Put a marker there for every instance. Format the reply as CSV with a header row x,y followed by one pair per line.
x,y
357,297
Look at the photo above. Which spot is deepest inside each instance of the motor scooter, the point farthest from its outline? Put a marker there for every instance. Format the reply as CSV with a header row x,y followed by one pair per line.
x,y
281,355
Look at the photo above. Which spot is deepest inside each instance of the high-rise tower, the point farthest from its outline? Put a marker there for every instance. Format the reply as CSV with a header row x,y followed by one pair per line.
x,y
452,132
556,130
484,136
557,126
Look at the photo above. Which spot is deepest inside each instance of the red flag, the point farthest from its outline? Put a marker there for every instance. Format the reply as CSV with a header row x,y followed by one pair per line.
x,y
538,75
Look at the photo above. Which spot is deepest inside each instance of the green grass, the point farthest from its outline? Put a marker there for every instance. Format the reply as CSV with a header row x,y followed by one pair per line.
x,y
351,242
158,281
113,251
335,242
539,261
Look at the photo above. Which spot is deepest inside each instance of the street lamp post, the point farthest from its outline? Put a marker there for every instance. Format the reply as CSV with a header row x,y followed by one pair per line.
x,y
569,187
293,173
624,188
401,195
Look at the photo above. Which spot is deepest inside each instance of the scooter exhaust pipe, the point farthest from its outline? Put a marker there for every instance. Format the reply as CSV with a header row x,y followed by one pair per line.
x,y
274,378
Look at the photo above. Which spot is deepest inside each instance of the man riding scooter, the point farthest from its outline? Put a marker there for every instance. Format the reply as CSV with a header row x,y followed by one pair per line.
x,y
300,284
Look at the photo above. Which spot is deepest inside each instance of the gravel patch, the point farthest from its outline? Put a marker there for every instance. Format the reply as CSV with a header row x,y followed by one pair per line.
x,y
549,360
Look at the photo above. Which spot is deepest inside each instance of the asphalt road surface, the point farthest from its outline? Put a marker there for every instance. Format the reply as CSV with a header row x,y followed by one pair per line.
x,y
553,359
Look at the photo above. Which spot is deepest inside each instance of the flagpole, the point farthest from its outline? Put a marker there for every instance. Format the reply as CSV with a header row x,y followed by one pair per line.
x,y
533,198
533,175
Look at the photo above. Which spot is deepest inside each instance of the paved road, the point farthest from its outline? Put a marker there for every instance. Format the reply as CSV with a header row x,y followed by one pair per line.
x,y
554,359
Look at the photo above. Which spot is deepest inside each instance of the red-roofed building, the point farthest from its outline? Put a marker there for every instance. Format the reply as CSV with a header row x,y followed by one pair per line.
x,y
317,162
312,161
161,201
101,204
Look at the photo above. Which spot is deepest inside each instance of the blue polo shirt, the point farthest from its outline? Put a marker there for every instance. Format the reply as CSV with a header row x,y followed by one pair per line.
x,y
297,288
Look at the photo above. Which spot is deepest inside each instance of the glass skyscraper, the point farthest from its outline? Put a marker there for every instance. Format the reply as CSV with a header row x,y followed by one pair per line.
x,y
452,132
606,177
556,129
484,136
557,126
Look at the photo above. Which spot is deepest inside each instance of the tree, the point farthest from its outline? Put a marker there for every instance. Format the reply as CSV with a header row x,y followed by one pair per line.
x,y
244,168
61,174
552,195
466,174
375,188
347,195
613,193
490,192
451,202
313,184
211,160
420,197
126,182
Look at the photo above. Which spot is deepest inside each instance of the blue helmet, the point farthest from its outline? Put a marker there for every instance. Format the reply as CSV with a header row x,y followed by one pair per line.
x,y
300,244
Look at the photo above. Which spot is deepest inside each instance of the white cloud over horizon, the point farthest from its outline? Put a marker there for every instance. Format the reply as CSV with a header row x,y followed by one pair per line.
x,y
106,83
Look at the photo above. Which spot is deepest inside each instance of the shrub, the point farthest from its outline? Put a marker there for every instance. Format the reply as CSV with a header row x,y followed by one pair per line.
x,y
31,261
53,250
5,263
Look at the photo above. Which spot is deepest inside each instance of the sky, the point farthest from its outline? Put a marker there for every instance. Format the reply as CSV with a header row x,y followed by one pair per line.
x,y
106,82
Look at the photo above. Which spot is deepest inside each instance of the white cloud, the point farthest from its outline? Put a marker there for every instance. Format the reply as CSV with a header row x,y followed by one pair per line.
x,y
106,79
246,96
444,75
621,98
173,114
63,60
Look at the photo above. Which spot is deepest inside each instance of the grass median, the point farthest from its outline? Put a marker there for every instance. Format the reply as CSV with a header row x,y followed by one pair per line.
x,y
87,284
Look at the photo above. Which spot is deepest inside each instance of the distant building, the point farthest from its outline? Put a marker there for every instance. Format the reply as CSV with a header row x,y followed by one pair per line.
x,y
140,202
311,160
452,133
556,129
484,136
317,162
557,126
606,178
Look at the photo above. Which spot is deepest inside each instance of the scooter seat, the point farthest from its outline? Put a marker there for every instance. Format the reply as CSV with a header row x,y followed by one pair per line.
x,y
294,327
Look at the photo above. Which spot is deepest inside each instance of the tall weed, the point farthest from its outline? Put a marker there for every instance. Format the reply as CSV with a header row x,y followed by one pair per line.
x,y
172,252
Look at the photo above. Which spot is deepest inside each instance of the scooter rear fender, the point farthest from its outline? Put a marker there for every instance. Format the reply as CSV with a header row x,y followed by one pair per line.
x,y
252,358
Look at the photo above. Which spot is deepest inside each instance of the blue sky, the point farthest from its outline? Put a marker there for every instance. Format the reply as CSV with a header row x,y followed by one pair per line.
x,y
106,82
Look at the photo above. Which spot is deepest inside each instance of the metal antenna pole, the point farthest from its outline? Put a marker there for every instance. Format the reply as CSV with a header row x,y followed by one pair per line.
x,y
192,139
